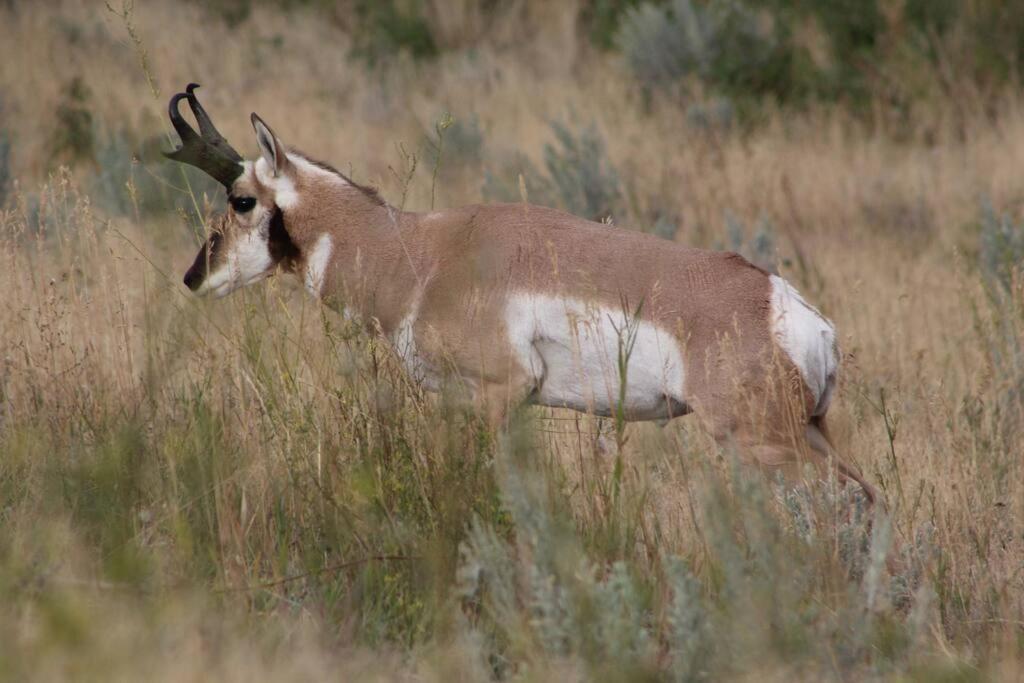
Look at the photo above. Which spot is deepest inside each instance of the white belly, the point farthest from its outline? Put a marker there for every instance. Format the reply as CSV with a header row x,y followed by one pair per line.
x,y
590,357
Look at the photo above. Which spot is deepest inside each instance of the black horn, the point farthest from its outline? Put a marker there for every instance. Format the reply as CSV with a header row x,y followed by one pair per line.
x,y
208,151
206,127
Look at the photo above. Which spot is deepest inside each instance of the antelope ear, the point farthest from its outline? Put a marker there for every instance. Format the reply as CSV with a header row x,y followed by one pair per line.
x,y
270,146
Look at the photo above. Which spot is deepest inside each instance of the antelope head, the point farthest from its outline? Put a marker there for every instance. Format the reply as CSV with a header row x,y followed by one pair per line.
x,y
248,242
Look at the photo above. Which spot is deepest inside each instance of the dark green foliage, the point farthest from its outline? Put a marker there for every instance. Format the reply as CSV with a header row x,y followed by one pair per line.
x,y
744,57
601,19
232,12
854,29
104,487
746,48
932,15
853,26
666,43
996,35
388,27
73,138
381,29
723,43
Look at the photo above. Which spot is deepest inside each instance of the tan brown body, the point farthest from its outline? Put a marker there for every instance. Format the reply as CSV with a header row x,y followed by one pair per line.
x,y
468,261
453,272
521,303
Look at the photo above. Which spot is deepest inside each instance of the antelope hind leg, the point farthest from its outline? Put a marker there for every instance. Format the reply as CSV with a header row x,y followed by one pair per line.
x,y
821,445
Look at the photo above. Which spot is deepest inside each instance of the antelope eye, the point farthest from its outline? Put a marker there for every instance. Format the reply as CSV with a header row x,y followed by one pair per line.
x,y
243,204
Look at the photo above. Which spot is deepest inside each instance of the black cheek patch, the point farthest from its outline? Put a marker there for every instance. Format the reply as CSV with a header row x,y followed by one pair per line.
x,y
196,273
279,243
207,256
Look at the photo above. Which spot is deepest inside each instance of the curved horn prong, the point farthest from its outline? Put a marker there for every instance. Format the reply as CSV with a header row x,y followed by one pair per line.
x,y
185,132
206,128
219,161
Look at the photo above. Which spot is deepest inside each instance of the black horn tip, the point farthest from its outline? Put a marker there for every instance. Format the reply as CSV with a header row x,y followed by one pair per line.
x,y
207,150
173,104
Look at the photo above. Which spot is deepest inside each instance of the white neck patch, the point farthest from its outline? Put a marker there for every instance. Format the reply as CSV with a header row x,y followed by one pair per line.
x,y
316,264
282,186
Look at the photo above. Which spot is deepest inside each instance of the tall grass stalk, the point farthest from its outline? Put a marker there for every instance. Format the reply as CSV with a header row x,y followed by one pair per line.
x,y
251,488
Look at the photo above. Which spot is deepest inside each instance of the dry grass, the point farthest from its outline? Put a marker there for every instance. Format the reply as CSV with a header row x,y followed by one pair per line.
x,y
194,489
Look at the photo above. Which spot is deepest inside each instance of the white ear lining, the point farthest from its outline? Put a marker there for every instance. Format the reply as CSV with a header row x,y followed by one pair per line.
x,y
267,148
268,145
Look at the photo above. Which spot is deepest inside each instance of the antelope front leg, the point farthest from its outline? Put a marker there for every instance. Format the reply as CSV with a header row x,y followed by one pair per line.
x,y
775,459
498,400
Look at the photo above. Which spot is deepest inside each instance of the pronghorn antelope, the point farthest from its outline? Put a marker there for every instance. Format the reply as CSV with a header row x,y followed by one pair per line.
x,y
528,304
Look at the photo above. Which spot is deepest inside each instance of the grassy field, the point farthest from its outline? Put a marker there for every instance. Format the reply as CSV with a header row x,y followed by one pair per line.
x,y
249,488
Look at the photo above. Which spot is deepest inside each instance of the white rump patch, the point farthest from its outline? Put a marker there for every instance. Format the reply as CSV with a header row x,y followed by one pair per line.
x,y
571,350
316,264
808,338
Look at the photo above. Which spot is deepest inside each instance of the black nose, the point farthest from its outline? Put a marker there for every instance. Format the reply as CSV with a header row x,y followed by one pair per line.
x,y
193,279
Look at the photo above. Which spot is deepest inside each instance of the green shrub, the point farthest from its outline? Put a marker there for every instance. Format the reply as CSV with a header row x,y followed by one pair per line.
x,y
601,19
662,44
747,49
1001,248
995,49
464,141
502,184
582,176
387,27
718,114
665,226
723,43
1001,327
757,245
577,177
126,185
549,594
73,137
455,150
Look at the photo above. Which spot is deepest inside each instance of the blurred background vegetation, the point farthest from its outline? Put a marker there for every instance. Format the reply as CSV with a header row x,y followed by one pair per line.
x,y
251,489
892,64
793,51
